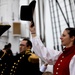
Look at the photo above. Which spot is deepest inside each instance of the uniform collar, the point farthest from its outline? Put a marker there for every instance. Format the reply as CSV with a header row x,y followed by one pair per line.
x,y
69,50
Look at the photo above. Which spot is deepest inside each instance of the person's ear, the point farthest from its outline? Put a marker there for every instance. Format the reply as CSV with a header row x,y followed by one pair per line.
x,y
73,38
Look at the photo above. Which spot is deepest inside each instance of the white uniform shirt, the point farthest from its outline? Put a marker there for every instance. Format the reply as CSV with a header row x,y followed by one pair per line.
x,y
50,56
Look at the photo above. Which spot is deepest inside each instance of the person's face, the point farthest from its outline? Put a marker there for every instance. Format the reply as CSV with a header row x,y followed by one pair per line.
x,y
23,46
66,40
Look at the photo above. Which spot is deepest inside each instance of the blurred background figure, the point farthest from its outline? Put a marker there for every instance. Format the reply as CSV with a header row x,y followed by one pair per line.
x,y
8,49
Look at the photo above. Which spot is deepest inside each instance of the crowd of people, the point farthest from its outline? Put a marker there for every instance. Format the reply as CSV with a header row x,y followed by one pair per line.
x,y
25,62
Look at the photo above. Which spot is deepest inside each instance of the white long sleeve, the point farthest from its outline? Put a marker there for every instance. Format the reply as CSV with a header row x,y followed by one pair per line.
x,y
72,66
50,56
44,53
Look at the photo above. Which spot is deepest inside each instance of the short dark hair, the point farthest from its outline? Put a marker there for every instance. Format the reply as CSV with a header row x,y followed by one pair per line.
x,y
7,46
71,32
29,43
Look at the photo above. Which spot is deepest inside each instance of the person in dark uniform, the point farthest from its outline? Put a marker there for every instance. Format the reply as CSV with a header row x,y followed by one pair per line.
x,y
8,49
6,56
23,63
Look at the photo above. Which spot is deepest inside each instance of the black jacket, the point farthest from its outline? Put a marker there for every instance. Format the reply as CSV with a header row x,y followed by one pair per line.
x,y
25,63
5,62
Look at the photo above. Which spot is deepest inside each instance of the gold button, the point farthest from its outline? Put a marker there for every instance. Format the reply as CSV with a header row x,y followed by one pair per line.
x,y
0,64
57,68
14,63
18,60
10,73
11,69
58,64
62,56
2,72
13,66
60,60
22,55
56,72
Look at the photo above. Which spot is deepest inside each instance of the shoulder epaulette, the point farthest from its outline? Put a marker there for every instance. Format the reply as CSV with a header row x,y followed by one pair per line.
x,y
33,58
27,51
2,54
